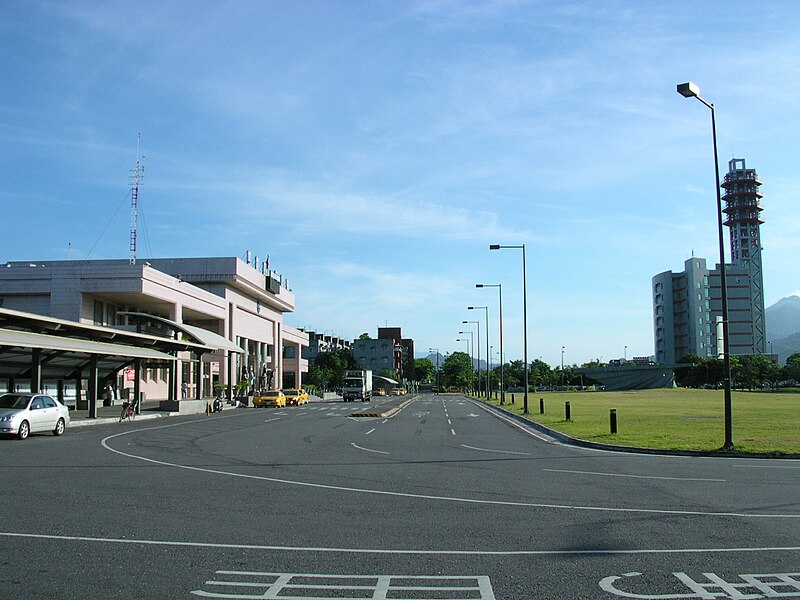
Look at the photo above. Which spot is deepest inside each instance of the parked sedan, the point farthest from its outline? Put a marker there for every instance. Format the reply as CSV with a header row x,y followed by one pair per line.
x,y
22,414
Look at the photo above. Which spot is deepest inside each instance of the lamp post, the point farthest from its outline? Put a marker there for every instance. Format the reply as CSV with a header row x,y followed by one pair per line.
x,y
562,366
437,366
471,354
499,286
467,346
488,361
478,323
524,316
689,90
625,355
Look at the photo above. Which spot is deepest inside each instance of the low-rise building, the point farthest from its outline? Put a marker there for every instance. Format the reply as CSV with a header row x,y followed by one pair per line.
x,y
224,295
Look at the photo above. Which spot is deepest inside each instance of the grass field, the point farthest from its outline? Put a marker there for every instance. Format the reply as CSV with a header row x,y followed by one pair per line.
x,y
676,419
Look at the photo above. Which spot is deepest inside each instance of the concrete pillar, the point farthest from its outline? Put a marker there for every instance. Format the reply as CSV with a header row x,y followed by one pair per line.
x,y
60,390
36,370
94,386
137,368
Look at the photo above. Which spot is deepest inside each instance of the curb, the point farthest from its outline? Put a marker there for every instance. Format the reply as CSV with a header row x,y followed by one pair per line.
x,y
571,441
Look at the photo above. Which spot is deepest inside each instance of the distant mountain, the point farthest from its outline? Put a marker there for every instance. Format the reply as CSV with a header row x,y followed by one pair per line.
x,y
432,357
783,327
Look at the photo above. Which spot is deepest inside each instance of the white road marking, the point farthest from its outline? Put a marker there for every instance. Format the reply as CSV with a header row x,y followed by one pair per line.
x,y
384,421
297,585
370,431
495,451
270,420
605,509
772,585
633,476
391,551
354,445
453,431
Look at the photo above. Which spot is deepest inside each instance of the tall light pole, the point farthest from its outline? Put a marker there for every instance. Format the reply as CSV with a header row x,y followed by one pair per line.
x,y
499,286
625,355
437,366
488,361
562,366
689,90
471,354
524,316
478,323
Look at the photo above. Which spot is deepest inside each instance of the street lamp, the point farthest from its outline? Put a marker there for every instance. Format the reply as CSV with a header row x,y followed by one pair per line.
x,y
524,316
562,366
689,90
625,355
488,360
478,323
499,286
471,354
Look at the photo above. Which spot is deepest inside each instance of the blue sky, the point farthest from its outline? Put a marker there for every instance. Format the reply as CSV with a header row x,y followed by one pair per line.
x,y
375,149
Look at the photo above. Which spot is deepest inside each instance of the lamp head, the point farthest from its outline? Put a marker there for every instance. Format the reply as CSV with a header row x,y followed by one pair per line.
x,y
494,247
688,89
478,285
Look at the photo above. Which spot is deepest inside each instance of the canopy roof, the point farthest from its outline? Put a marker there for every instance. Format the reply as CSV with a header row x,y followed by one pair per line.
x,y
67,347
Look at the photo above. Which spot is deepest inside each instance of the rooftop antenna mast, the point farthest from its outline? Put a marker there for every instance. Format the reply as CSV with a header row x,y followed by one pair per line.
x,y
137,174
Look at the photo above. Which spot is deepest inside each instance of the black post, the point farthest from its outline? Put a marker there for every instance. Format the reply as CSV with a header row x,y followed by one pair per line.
x,y
541,406
613,416
566,409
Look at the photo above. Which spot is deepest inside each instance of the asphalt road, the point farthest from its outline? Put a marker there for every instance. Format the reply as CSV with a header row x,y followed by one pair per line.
x,y
444,500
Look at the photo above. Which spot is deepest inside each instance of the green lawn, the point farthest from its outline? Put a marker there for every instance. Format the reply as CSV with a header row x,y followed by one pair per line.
x,y
676,419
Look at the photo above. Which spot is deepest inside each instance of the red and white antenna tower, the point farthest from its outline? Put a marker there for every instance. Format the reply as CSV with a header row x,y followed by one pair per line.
x,y
137,174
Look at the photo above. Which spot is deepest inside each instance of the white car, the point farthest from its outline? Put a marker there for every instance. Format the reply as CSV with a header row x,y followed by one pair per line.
x,y
22,414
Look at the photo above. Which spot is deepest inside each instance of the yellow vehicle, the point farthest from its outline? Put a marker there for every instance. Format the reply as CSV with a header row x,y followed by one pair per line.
x,y
296,397
380,392
270,398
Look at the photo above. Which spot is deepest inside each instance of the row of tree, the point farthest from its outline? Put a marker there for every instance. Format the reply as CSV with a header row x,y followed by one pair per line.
x,y
457,371
751,371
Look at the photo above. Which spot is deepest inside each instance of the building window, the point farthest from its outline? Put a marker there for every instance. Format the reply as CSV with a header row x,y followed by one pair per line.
x,y
98,312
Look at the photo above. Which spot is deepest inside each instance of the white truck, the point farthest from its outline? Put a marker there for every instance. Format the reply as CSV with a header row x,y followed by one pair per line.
x,y
357,386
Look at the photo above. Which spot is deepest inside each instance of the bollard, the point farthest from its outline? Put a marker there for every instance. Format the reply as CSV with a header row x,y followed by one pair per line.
x,y
566,409
541,406
613,416
512,398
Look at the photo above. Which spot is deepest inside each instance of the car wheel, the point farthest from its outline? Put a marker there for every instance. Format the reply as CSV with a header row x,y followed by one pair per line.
x,y
24,430
60,427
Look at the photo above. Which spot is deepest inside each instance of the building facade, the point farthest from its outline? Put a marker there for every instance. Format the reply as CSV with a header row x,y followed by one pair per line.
x,y
390,351
226,296
687,306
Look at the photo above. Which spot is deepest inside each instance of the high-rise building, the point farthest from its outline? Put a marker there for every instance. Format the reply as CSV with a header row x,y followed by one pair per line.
x,y
687,306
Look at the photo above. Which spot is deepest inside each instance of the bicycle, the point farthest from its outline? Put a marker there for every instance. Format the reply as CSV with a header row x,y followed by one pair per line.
x,y
128,412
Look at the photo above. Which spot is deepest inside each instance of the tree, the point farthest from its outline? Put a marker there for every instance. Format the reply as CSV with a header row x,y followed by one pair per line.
x,y
364,336
328,369
514,374
457,370
792,369
682,374
754,370
424,369
540,374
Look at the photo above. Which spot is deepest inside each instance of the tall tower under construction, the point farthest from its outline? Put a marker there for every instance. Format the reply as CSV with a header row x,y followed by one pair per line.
x,y
687,306
743,218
